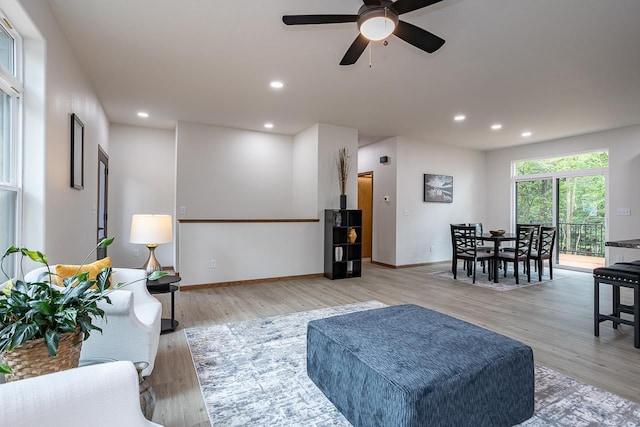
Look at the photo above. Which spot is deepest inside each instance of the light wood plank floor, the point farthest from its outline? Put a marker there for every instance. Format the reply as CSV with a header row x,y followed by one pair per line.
x,y
555,319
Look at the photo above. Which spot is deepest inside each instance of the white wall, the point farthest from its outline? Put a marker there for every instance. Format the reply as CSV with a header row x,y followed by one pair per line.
x,y
423,228
406,230
142,176
622,185
383,248
213,167
305,173
59,220
330,140
233,173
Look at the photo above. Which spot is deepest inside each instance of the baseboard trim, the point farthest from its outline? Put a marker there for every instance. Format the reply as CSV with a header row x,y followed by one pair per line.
x,y
248,282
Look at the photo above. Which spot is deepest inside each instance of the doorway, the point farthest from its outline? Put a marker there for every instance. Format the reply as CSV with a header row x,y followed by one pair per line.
x,y
365,204
103,197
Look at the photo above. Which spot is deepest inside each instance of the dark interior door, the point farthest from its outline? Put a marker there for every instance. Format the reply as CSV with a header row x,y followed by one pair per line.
x,y
103,193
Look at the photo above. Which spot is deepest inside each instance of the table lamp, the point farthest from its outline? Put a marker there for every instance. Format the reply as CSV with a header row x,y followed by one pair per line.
x,y
151,230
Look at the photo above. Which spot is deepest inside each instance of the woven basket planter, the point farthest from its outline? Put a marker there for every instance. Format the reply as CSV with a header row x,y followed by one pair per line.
x,y
32,359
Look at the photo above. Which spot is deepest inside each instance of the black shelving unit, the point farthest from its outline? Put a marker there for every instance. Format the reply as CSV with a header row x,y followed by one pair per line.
x,y
342,259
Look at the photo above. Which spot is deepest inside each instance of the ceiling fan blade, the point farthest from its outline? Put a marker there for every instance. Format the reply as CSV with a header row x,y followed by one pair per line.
x,y
355,50
404,6
372,2
418,37
317,19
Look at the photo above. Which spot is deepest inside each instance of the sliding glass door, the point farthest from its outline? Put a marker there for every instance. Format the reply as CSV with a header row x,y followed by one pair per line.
x,y
534,202
569,193
581,219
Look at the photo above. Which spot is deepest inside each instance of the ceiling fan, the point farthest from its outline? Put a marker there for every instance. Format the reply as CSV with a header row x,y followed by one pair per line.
x,y
377,20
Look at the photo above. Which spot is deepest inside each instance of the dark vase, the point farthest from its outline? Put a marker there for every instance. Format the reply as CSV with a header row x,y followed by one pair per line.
x,y
343,201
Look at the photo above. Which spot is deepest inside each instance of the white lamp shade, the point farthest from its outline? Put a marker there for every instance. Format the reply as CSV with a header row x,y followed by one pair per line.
x,y
377,28
151,229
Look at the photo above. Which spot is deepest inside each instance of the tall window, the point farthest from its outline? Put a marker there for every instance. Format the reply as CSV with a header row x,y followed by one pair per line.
x,y
10,133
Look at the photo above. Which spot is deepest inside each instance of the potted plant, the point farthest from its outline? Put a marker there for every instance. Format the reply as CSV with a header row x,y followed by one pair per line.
x,y
343,163
41,315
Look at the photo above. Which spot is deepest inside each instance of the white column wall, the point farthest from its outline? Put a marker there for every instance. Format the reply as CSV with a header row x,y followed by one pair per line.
x,y
142,176
383,234
330,140
305,173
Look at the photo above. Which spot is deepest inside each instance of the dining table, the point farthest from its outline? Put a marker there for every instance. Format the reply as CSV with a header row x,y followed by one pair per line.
x,y
497,240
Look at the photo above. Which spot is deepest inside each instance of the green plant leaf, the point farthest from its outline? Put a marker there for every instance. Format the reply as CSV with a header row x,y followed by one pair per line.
x,y
12,250
23,333
67,316
43,307
86,326
105,242
5,369
102,279
156,275
52,338
83,276
36,256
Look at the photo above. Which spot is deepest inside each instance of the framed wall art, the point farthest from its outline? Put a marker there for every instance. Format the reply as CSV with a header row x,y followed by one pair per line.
x,y
438,188
77,153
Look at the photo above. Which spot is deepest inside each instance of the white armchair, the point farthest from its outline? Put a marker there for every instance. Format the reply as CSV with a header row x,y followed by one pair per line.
x,y
131,326
102,395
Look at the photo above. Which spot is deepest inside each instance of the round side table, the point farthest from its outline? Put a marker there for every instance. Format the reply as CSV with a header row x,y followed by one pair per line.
x,y
163,286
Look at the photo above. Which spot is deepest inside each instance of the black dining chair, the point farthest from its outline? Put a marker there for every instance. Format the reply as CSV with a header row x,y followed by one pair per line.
x,y
543,250
522,249
481,247
463,239
454,262
536,232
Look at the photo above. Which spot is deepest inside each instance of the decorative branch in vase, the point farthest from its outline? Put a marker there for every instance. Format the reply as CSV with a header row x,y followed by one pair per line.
x,y
343,163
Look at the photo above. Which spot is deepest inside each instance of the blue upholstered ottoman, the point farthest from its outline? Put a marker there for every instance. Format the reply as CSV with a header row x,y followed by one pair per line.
x,y
409,366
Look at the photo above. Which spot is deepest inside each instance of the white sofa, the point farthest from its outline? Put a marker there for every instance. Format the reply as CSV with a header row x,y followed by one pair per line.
x,y
103,395
131,326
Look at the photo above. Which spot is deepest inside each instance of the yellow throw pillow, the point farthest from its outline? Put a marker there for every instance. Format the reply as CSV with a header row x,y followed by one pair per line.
x,y
64,271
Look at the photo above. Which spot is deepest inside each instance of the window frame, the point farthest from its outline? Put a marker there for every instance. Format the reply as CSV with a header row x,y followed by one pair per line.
x,y
11,83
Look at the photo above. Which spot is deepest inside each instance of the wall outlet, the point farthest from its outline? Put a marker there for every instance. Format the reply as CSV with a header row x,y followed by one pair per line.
x,y
136,253
624,211
212,263
620,258
183,210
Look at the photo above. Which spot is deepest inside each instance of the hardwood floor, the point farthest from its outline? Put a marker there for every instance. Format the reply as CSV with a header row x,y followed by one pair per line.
x,y
555,319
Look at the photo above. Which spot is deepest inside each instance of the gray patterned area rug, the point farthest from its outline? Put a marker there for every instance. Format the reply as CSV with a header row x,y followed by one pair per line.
x,y
253,373
504,283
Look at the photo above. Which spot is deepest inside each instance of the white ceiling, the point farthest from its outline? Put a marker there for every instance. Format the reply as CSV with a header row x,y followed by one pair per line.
x,y
554,67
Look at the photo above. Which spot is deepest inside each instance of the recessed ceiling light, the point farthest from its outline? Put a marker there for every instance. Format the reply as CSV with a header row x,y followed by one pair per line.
x,y
276,84
526,134
268,125
459,117
143,114
496,126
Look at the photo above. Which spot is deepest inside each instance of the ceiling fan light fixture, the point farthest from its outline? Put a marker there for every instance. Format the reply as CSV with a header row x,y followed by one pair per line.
x,y
377,24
